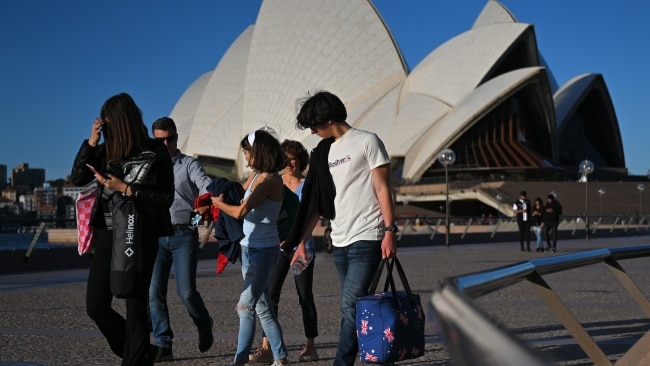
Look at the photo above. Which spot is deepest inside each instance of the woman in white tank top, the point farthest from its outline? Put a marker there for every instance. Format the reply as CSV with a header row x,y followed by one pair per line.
x,y
259,210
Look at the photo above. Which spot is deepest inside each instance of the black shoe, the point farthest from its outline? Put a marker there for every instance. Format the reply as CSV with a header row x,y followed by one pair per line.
x,y
206,339
553,250
164,354
528,249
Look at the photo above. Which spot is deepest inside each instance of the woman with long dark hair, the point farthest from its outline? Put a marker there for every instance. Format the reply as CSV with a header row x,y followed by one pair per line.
x,y
127,163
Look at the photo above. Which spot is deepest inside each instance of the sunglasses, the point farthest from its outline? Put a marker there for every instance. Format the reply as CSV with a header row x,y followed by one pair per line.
x,y
170,138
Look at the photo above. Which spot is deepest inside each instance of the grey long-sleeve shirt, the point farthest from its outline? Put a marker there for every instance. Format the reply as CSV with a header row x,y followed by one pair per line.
x,y
190,180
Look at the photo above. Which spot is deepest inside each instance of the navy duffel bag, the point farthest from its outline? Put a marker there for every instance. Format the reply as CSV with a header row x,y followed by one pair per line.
x,y
390,324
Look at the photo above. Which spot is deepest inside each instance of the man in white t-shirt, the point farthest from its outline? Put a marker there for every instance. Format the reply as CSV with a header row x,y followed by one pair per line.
x,y
363,230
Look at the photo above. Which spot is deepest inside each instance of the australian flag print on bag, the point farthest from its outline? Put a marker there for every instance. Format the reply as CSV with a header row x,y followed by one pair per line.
x,y
390,324
126,262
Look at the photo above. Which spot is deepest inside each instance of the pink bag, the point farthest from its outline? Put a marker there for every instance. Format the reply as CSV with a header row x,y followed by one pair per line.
x,y
84,205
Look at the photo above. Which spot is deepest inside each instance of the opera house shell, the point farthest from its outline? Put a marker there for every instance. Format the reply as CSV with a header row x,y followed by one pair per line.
x,y
486,93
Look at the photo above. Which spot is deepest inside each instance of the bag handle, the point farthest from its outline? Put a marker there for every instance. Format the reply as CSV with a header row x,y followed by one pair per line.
x,y
389,263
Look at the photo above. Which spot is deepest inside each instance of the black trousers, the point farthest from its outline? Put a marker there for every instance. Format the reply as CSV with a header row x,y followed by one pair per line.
x,y
128,338
304,282
524,232
550,233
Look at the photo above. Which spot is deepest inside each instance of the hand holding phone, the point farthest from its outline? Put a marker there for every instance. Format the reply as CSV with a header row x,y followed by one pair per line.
x,y
95,170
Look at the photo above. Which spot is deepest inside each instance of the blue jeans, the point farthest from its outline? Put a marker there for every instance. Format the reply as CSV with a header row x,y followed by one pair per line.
x,y
180,250
356,265
256,266
538,233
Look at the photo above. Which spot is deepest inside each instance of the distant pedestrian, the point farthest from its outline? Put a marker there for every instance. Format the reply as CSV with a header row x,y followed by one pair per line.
x,y
552,212
522,208
537,220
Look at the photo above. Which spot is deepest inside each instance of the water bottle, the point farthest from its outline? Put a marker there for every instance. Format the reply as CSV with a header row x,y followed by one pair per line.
x,y
300,264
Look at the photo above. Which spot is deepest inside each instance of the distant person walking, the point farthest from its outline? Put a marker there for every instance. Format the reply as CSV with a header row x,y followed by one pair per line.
x,y
522,208
552,212
180,250
537,218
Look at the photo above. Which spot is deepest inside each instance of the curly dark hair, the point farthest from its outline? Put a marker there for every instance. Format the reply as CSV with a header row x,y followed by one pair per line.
x,y
266,154
319,109
296,149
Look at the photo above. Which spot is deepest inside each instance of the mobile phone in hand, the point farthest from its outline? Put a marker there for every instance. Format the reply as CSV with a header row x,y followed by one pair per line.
x,y
95,170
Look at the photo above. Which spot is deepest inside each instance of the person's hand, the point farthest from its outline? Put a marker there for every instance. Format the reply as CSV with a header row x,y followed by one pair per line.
x,y
389,245
203,210
112,182
300,252
217,200
95,132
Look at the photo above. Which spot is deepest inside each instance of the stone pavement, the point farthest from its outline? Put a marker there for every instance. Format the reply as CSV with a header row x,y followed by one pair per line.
x,y
43,319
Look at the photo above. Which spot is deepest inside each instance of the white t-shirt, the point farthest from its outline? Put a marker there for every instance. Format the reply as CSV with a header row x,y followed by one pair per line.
x,y
351,159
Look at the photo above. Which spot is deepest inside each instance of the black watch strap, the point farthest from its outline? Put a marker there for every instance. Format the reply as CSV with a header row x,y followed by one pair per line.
x,y
392,228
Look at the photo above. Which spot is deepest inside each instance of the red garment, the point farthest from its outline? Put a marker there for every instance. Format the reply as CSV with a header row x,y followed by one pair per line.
x,y
212,215
205,200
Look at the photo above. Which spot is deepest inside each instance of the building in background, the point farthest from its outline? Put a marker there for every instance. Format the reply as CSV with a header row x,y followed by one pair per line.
x,y
25,179
3,176
487,93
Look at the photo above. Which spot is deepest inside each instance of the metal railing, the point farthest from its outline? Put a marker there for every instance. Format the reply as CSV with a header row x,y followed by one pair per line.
x,y
469,333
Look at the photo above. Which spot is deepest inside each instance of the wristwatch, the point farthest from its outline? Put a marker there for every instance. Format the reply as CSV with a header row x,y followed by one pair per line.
x,y
392,228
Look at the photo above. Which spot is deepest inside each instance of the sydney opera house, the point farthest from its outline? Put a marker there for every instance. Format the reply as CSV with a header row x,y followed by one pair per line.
x,y
487,94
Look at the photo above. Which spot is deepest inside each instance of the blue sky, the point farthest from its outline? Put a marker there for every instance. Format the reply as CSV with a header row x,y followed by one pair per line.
x,y
59,60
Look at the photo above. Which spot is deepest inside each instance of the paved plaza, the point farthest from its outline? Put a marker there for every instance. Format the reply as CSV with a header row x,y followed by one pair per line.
x,y
43,319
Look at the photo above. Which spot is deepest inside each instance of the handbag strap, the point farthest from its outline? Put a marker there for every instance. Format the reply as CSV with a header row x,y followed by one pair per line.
x,y
375,280
389,263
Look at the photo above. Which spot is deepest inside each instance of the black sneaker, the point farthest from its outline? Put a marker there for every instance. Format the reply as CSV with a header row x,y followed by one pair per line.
x,y
164,354
206,339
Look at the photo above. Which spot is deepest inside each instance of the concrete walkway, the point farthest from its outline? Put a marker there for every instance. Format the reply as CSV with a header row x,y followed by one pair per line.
x,y
43,319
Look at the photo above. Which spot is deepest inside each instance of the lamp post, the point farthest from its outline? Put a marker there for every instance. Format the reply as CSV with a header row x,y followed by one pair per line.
x,y
499,198
586,167
447,157
601,193
640,187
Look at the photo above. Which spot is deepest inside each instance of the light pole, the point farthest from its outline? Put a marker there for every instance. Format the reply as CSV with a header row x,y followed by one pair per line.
x,y
586,167
499,198
447,157
601,193
639,187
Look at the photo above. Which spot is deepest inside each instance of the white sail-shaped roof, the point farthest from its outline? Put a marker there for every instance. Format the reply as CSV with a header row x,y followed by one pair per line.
x,y
478,103
299,46
216,130
185,109
494,13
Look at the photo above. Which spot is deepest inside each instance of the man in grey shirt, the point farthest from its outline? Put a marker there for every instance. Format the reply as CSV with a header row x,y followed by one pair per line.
x,y
181,249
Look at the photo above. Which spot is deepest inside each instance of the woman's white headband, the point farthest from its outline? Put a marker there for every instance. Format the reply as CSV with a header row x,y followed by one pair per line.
x,y
251,138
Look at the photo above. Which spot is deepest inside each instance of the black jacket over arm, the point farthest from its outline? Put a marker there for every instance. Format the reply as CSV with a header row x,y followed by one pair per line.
x,y
318,193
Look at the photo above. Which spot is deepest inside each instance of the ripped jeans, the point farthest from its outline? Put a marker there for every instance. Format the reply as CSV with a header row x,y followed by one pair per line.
x,y
257,265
